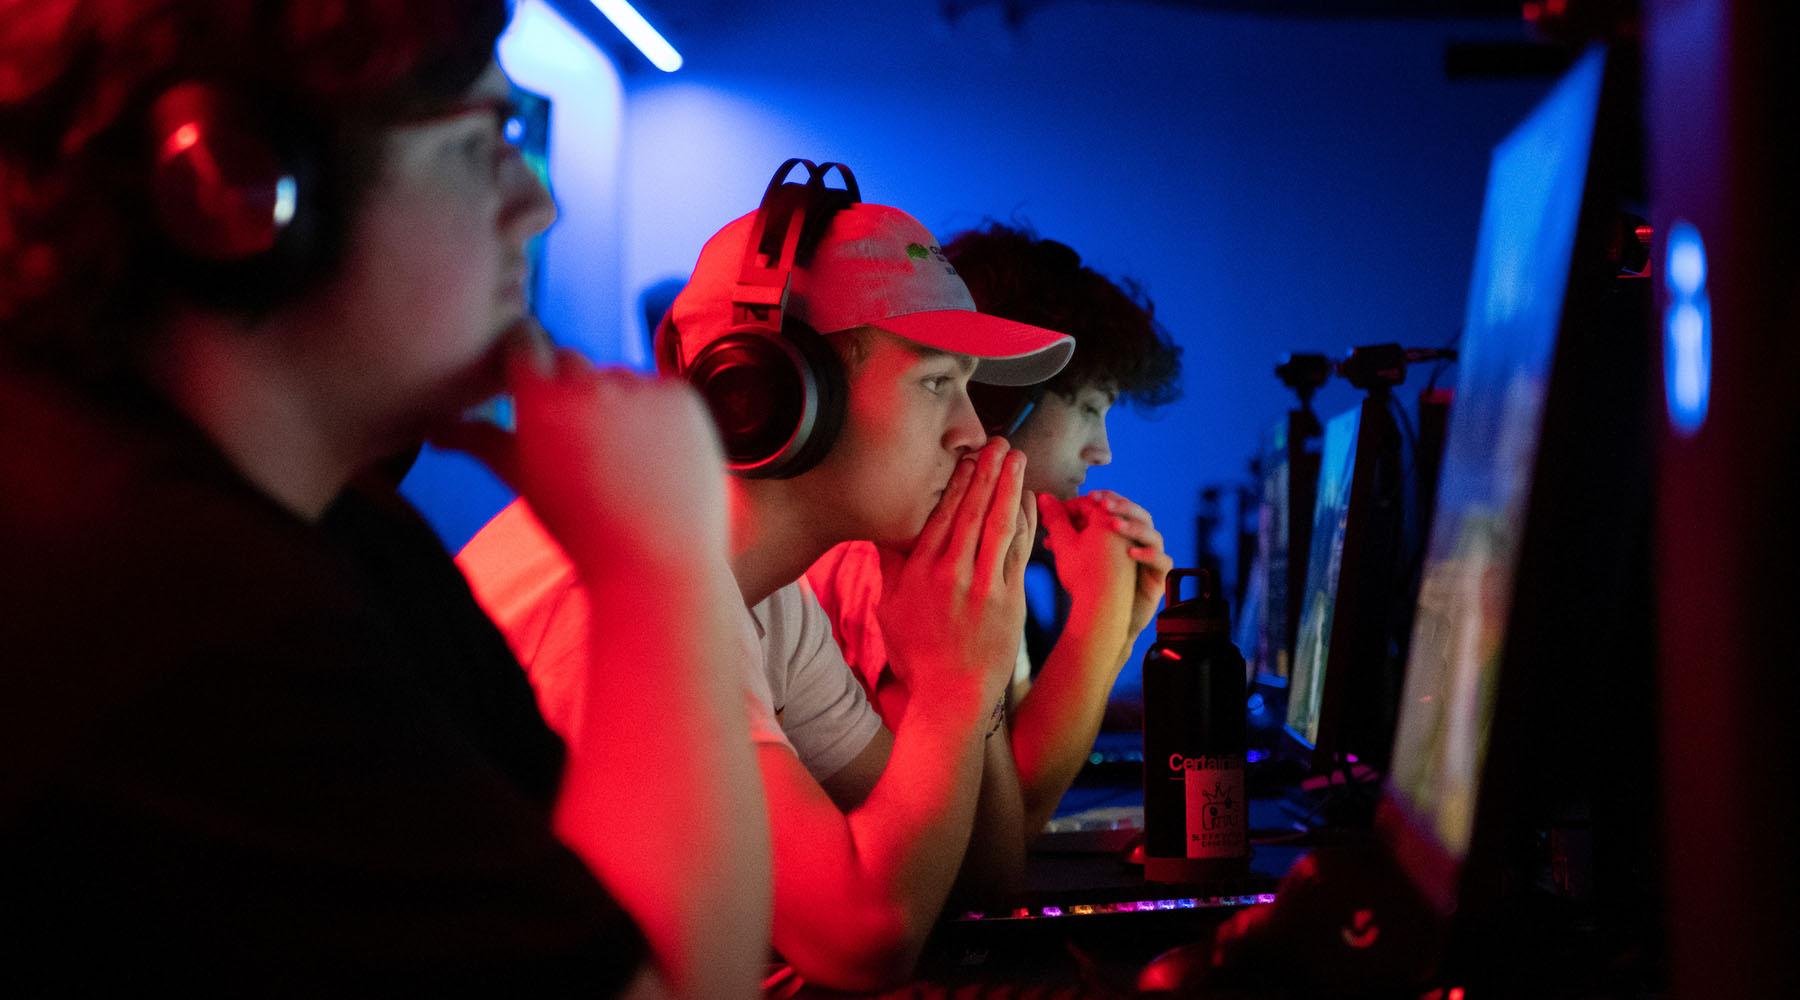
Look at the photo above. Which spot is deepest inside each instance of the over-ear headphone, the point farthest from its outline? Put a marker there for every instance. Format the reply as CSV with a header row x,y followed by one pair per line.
x,y
776,389
236,194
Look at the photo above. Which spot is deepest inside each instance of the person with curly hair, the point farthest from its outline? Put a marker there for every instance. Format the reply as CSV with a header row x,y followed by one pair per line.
x,y
259,738
1106,550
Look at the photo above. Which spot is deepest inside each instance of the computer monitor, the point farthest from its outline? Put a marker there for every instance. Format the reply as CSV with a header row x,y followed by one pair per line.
x,y
1528,685
1324,562
1515,849
1288,460
1339,700
1522,259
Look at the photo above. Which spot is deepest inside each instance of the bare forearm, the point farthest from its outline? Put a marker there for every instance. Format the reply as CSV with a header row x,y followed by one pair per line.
x,y
912,831
1054,726
662,745
856,893
993,870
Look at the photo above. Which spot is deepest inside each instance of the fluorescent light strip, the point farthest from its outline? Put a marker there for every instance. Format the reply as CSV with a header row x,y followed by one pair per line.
x,y
648,40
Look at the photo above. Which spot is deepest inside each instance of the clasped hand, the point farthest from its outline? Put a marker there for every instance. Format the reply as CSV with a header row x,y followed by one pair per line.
x,y
1106,548
955,613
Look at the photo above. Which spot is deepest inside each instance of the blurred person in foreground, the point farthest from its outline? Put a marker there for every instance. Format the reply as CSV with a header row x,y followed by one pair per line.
x,y
258,735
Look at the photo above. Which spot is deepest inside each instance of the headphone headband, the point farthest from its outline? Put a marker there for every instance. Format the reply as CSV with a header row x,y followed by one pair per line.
x,y
788,224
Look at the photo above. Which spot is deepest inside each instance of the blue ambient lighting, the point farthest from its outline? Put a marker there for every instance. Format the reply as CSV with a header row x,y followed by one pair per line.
x,y
648,40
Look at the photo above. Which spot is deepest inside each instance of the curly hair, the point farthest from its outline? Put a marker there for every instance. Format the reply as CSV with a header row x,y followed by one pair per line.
x,y
1013,273
80,278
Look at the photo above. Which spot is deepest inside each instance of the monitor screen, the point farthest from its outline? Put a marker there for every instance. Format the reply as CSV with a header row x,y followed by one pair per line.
x,y
1523,256
1269,654
1324,565
1288,464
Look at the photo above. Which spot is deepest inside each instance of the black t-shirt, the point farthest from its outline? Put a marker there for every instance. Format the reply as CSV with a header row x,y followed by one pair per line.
x,y
244,751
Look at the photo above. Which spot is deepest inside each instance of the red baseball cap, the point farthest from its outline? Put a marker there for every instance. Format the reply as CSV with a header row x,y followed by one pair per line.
x,y
874,266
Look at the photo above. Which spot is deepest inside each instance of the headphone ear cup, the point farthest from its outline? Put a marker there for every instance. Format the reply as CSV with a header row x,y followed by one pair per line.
x,y
233,195
756,386
777,401
832,386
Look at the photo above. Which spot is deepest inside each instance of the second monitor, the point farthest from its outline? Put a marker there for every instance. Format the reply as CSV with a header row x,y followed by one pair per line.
x,y
1345,684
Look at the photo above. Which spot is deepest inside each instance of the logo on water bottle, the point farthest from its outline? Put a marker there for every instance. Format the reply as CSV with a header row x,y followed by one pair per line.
x,y
1219,808
1217,825
1215,762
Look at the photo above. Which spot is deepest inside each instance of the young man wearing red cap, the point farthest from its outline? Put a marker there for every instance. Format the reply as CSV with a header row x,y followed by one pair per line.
x,y
1108,554
870,823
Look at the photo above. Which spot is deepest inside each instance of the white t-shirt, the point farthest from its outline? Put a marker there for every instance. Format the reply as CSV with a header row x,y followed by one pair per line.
x,y
798,690
805,695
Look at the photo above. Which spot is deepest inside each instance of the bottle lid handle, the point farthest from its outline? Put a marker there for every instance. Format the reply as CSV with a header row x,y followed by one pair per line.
x,y
1172,588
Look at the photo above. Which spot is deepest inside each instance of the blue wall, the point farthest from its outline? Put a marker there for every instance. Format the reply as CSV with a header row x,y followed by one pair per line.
x,y
1276,184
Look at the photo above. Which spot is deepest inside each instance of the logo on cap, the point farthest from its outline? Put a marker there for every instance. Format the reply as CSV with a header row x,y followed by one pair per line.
x,y
919,251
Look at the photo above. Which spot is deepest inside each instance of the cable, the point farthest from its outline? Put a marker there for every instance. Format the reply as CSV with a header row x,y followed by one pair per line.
x,y
1438,369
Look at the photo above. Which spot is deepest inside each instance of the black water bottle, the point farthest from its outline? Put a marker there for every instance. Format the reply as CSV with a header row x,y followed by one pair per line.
x,y
1196,816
